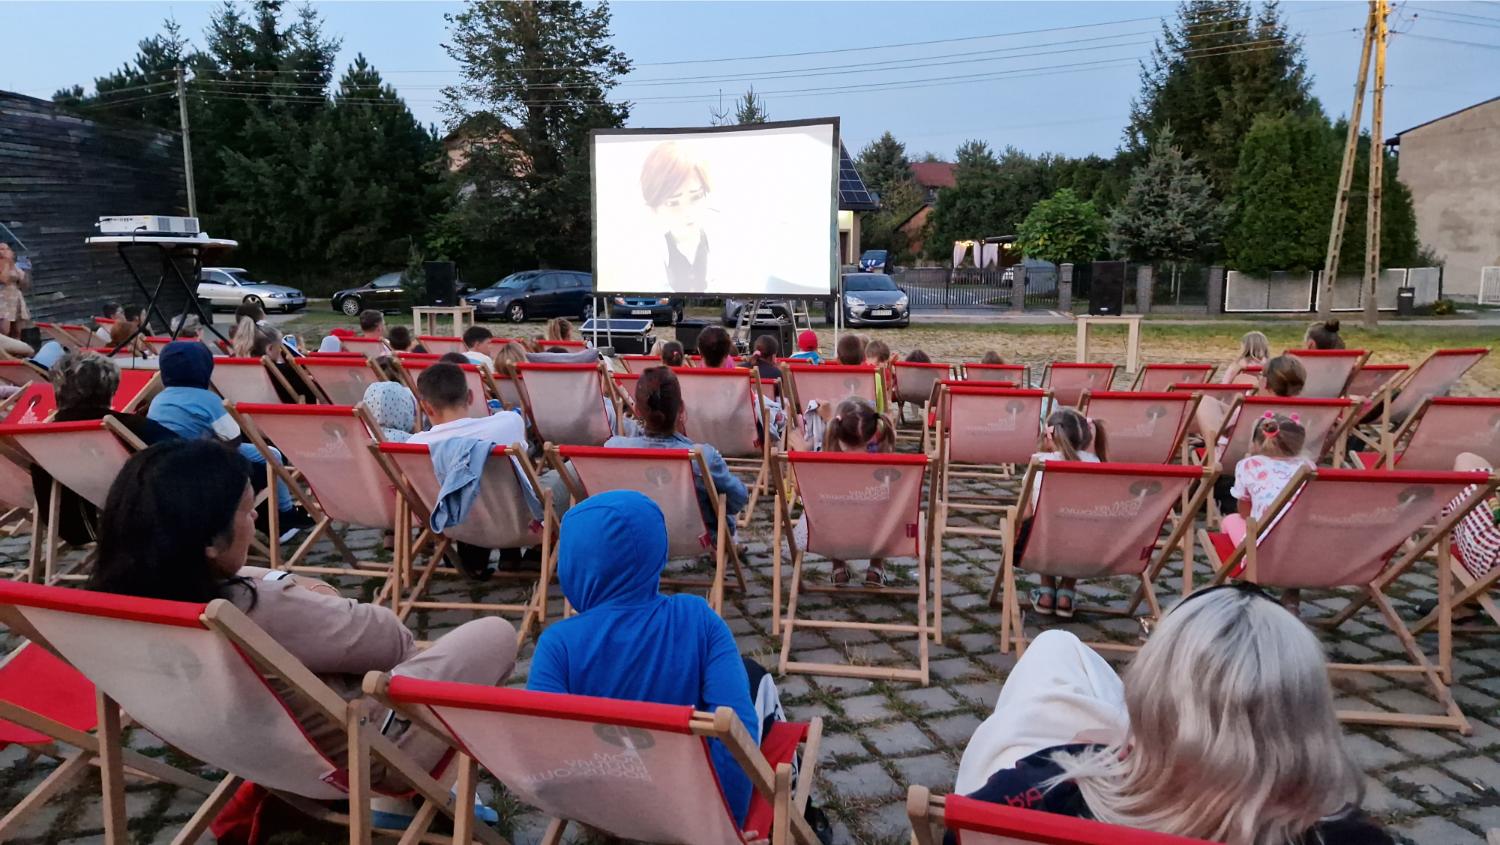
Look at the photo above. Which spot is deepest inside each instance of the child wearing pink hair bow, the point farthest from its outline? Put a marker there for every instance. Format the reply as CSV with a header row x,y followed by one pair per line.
x,y
1275,456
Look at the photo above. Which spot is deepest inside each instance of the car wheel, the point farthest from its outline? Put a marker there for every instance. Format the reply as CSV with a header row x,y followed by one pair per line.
x,y
252,300
516,312
676,317
351,306
586,313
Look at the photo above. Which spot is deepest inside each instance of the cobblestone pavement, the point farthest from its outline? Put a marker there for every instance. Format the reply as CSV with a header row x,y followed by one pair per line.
x,y
1429,786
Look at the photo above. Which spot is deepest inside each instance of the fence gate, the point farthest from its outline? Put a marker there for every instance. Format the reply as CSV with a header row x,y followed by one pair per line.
x,y
965,288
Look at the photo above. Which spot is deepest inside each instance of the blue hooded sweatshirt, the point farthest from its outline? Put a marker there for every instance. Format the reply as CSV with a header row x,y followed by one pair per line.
x,y
629,641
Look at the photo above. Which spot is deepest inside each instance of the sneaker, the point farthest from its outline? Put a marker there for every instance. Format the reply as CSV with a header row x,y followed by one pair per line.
x,y
293,521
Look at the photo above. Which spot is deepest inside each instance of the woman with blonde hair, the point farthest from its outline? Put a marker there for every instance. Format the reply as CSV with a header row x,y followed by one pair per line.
x,y
1255,351
558,328
1223,729
14,314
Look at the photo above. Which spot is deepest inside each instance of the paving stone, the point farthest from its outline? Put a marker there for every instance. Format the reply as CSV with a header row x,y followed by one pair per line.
x,y
935,771
889,823
1432,830
947,670
1380,801
1369,753
864,781
1437,787
899,738
1420,743
931,699
1484,771
866,708
841,745
954,730
1484,818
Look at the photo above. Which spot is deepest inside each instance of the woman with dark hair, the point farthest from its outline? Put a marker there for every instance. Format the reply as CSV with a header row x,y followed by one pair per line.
x,y
716,347
1324,335
659,410
177,525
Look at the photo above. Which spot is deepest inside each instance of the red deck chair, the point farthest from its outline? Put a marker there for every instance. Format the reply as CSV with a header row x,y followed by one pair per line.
x,y
916,383
85,457
499,519
1329,371
1434,376
51,710
18,512
34,404
339,380
1068,381
337,478
495,344
474,376
137,389
247,380
1095,520
1361,529
157,343
370,347
1155,378
981,823
1142,427
1225,393
196,676
565,403
70,336
1372,378
640,363
565,344
1019,374
634,771
856,507
723,411
624,390
21,373
1327,422
1438,431
667,477
830,383
441,344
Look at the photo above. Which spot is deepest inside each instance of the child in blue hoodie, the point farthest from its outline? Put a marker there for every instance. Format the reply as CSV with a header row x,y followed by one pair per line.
x,y
629,641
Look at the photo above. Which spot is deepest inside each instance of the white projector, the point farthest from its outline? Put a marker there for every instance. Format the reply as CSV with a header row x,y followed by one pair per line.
x,y
148,224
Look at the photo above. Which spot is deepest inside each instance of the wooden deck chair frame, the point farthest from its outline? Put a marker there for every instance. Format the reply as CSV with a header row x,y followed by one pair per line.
x,y
1333,442
926,375
77,751
1398,561
47,545
300,364
1020,374
738,460
1049,378
563,458
637,364
929,618
273,380
1387,399
142,397
998,824
302,491
949,469
603,386
415,699
370,347
1145,380
22,372
412,583
19,510
1175,448
803,394
934,403
1332,386
1471,589
68,336
1411,430
1371,378
1195,492
263,654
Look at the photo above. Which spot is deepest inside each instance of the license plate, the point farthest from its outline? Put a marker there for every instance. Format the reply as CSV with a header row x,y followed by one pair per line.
x,y
641,312
881,312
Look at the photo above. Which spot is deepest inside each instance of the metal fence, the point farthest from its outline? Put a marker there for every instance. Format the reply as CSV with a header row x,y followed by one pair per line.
x,y
1280,291
1299,292
944,288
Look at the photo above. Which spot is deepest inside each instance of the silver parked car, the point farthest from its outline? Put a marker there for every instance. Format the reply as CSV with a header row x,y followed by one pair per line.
x,y
229,287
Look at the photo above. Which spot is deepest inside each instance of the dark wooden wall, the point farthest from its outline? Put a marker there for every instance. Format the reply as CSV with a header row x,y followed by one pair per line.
x,y
59,173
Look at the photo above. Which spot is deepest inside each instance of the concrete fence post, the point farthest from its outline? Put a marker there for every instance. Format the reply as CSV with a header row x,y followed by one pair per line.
x,y
1143,278
1065,288
1018,289
1215,290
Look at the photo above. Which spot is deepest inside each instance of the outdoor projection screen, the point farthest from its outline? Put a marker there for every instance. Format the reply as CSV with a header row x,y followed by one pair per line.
x,y
731,211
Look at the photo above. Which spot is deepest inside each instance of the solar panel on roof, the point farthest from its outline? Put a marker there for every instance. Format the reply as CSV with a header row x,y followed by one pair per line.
x,y
853,195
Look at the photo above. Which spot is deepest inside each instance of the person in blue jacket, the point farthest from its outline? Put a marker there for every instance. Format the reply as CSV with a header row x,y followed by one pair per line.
x,y
630,642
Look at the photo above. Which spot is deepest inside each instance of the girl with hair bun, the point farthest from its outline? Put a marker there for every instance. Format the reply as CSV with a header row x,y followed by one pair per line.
x,y
1324,335
855,427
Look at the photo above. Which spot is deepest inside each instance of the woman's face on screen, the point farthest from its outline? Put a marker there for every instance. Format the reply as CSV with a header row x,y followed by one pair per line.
x,y
681,215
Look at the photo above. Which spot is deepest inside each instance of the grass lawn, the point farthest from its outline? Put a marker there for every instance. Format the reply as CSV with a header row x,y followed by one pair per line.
x,y
1163,341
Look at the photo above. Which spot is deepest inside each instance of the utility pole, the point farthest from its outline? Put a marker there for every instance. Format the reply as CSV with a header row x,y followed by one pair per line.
x,y
1346,173
187,142
1381,12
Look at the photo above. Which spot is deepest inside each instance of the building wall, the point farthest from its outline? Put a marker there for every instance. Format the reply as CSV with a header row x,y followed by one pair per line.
x,y
59,173
1452,167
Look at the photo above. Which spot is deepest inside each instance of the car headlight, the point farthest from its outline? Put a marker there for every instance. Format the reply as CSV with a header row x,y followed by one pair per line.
x,y
901,303
275,295
491,300
663,301
619,300
854,301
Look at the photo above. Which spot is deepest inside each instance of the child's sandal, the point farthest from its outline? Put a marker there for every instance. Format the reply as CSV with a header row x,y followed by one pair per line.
x,y
839,576
1070,596
1036,600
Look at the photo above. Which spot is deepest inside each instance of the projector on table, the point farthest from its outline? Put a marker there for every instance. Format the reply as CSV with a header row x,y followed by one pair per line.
x,y
149,224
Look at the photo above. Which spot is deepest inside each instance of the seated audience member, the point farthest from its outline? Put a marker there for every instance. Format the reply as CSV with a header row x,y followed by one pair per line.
x,y
372,325
267,342
192,411
399,339
48,355
186,327
1066,436
1283,375
1276,454
454,358
393,408
855,427
1223,729
716,347
877,353
85,384
125,336
508,357
672,354
991,357
1255,351
1324,335
254,310
558,328
763,359
1476,537
659,411
851,350
475,339
202,490
110,311
917,356
628,641
807,347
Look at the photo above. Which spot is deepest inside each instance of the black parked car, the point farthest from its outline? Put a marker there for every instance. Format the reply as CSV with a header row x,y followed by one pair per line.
x,y
385,292
536,293
662,310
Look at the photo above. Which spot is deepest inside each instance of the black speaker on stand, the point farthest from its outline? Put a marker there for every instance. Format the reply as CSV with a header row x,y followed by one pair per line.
x,y
440,286
778,328
1107,288
687,334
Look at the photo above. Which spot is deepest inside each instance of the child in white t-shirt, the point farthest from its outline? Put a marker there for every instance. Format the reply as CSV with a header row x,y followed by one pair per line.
x,y
1067,435
1260,477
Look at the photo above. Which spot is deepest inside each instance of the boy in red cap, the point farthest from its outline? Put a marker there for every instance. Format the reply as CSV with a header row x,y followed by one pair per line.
x,y
807,347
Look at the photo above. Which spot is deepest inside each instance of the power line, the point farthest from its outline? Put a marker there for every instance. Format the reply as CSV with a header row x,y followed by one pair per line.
x,y
1453,41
